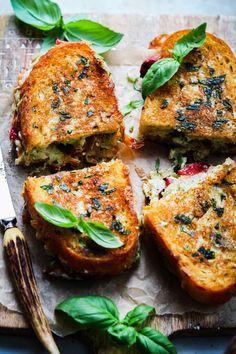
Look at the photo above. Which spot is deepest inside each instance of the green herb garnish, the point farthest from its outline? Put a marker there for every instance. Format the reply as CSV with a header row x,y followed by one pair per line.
x,y
157,164
207,253
183,218
64,218
218,123
130,106
134,81
163,70
46,16
101,314
48,187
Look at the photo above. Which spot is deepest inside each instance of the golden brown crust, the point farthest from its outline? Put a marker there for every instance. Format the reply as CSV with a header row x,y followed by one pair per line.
x,y
213,118
67,95
202,253
116,204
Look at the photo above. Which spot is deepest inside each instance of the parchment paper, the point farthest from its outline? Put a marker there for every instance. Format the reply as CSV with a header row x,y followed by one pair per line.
x,y
149,282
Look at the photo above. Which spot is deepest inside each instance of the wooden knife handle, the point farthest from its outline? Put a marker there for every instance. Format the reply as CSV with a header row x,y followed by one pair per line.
x,y
21,266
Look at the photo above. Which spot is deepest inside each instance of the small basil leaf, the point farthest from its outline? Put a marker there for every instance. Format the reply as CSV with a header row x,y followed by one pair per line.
x,y
151,341
56,215
122,335
102,38
44,15
138,315
100,234
51,38
188,42
158,74
90,311
130,106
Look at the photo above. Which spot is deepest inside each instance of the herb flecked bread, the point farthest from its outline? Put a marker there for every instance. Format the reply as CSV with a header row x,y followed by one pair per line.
x,y
66,110
100,193
196,108
194,225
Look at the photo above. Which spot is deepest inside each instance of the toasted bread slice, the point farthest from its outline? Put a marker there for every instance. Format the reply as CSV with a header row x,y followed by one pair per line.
x,y
196,108
195,228
66,110
101,193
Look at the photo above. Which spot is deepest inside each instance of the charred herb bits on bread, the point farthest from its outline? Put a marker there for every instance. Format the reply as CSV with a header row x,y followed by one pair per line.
x,y
195,108
101,194
66,110
194,226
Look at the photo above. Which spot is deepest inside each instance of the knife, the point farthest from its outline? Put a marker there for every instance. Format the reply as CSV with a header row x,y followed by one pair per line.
x,y
17,250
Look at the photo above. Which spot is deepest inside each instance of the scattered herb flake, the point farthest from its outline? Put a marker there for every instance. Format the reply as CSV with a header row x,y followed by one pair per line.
x,y
227,104
55,103
183,218
96,203
55,88
90,113
48,187
191,67
211,70
118,226
64,115
218,123
157,164
181,84
83,74
64,188
207,253
104,189
164,103
212,81
186,125
86,101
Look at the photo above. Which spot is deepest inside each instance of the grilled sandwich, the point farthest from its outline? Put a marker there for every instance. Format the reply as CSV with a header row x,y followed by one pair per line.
x,y
193,221
100,193
65,109
196,108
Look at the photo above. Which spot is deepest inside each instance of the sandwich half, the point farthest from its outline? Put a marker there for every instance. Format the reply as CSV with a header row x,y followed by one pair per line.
x,y
192,217
101,193
65,109
196,108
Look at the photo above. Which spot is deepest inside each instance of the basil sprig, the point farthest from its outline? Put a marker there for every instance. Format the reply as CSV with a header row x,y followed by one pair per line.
x,y
62,217
101,313
46,15
164,69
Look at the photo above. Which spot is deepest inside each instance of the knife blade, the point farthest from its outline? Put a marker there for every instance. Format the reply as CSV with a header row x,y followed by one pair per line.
x,y
17,250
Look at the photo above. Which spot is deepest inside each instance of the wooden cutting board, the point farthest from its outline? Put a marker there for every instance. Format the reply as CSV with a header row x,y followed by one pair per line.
x,y
16,51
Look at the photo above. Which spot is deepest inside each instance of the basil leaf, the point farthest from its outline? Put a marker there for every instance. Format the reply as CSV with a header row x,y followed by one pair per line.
x,y
101,37
90,311
100,234
158,74
188,42
138,315
151,341
43,14
51,38
130,106
122,335
56,215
